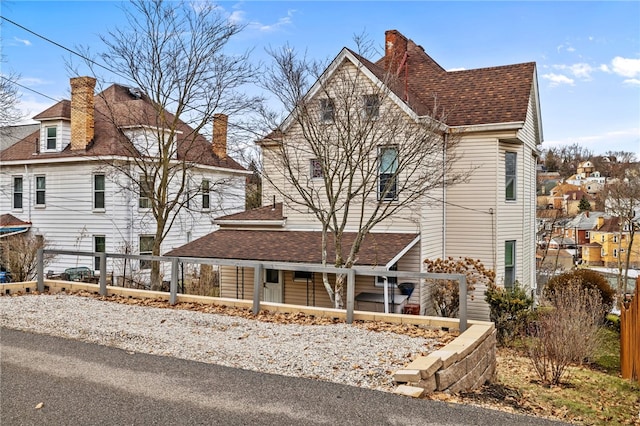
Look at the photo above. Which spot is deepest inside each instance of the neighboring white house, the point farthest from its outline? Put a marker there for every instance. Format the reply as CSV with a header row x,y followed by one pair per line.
x,y
491,217
61,178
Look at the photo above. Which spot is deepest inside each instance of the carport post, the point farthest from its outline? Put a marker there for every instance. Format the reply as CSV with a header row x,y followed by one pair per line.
x,y
351,292
173,286
463,303
257,286
40,270
103,273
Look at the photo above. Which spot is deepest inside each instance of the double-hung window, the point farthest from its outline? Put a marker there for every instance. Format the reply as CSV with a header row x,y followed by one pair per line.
x,y
41,186
146,248
371,106
315,167
52,139
327,110
509,263
206,195
98,192
388,173
510,171
99,246
146,192
17,192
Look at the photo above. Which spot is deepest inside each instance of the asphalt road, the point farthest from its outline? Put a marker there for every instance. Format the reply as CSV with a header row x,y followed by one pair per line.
x,y
87,384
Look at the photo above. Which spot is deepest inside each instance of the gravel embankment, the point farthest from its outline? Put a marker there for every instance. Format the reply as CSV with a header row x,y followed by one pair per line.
x,y
339,353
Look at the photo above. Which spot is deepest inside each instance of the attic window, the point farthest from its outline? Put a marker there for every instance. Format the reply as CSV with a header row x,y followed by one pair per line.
x,y
51,138
327,110
371,106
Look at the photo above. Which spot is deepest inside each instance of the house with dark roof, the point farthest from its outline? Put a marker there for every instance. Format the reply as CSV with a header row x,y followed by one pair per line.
x,y
491,216
79,180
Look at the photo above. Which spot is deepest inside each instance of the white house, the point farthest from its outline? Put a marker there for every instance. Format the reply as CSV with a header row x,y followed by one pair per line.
x,y
496,114
76,182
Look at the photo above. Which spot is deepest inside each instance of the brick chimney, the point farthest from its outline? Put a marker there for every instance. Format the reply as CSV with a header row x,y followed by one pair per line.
x,y
219,143
82,120
395,47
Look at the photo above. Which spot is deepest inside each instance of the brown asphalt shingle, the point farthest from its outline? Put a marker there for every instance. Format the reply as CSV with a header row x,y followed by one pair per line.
x,y
290,246
115,104
270,212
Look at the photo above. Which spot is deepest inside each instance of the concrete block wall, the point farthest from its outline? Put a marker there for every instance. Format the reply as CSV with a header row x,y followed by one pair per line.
x,y
465,364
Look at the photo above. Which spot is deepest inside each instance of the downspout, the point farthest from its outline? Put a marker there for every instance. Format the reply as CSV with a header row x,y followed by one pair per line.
x,y
26,173
444,195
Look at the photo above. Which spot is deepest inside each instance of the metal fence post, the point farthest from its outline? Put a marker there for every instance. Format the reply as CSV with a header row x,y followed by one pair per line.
x,y
173,287
40,270
257,287
463,303
351,292
103,273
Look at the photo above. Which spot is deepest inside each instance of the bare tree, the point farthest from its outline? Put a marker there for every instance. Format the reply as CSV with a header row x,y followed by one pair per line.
x,y
348,155
622,199
19,254
174,52
9,98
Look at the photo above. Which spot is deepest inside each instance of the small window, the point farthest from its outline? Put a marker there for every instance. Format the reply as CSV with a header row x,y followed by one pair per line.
x,y
388,173
371,106
586,234
302,275
316,168
602,238
41,185
17,192
615,239
99,246
327,110
509,263
615,253
146,192
272,276
52,140
206,195
510,170
98,192
146,248
391,281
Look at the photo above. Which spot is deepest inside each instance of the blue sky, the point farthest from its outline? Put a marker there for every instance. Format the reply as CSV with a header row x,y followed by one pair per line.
x,y
587,53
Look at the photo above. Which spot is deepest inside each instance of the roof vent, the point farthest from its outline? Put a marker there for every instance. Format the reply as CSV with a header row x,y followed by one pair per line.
x,y
135,92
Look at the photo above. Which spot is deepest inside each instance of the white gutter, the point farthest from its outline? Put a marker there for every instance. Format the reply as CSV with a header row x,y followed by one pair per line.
x,y
224,222
402,253
514,125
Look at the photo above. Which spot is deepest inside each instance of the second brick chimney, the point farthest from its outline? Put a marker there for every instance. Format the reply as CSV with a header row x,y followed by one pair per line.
x,y
395,47
82,105
219,143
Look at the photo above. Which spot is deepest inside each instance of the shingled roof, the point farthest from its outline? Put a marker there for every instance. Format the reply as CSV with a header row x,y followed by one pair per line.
x,y
378,249
469,97
116,104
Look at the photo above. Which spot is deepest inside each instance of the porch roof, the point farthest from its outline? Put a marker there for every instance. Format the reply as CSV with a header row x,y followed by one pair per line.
x,y
377,249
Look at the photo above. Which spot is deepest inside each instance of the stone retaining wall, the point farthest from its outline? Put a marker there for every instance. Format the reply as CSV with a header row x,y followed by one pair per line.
x,y
466,363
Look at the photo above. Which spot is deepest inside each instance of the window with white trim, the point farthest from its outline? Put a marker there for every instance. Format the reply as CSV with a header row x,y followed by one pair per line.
x,y
615,253
146,192
41,187
146,248
327,110
52,138
17,192
205,188
509,263
99,246
315,167
510,172
98,192
302,275
371,106
388,173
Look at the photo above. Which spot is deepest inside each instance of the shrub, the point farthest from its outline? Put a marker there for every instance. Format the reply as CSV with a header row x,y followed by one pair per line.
x,y
566,332
510,310
587,278
445,293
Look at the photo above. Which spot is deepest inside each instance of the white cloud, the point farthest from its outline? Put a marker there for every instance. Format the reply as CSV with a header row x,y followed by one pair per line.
x,y
237,17
282,22
22,41
598,143
626,67
558,79
632,81
581,70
